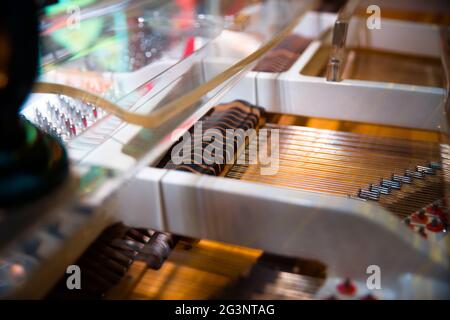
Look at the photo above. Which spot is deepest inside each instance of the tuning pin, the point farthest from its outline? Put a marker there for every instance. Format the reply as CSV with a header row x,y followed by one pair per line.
x,y
435,165
72,110
55,131
67,125
391,184
400,178
369,297
436,205
414,174
62,98
45,123
31,246
421,214
62,119
424,169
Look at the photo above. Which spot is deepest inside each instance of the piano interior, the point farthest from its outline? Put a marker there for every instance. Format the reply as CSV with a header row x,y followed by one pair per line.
x,y
217,151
